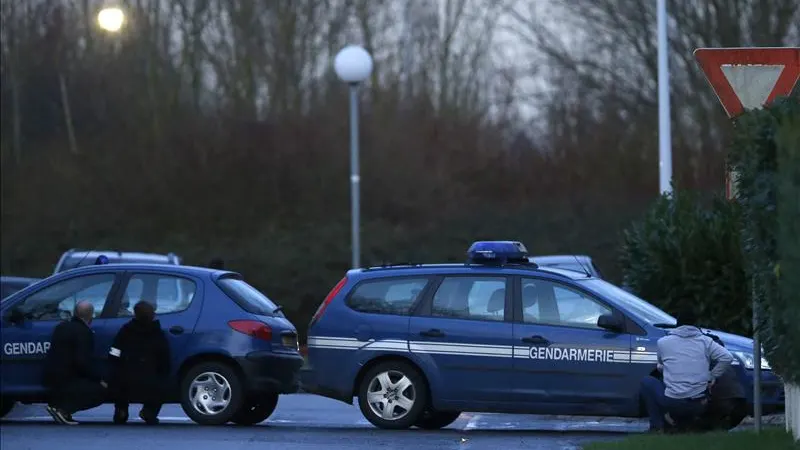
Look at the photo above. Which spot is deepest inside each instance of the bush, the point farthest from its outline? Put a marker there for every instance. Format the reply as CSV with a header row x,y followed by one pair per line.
x,y
765,156
685,252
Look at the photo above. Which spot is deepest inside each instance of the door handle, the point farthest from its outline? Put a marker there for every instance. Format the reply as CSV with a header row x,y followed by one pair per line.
x,y
536,340
433,332
177,329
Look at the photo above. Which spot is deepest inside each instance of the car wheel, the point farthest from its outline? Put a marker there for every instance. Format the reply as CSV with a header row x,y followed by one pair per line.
x,y
211,393
256,410
6,405
393,395
434,420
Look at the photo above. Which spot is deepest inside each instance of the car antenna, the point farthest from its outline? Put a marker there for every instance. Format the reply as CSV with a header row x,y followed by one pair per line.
x,y
84,257
580,264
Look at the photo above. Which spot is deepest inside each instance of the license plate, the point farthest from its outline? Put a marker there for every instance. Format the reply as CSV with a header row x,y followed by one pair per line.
x,y
290,341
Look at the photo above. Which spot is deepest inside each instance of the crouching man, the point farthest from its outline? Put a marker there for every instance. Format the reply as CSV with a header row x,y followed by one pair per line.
x,y
684,357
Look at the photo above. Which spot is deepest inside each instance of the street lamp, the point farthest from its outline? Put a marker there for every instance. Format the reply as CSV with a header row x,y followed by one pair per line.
x,y
353,65
111,19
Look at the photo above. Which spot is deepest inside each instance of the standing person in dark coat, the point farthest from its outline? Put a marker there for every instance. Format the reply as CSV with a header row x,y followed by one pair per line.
x,y
68,373
140,365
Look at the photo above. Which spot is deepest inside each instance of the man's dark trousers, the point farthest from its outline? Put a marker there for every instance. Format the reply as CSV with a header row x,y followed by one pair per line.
x,y
658,404
78,395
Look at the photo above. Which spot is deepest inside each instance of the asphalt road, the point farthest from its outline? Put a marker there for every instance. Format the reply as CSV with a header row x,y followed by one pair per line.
x,y
303,422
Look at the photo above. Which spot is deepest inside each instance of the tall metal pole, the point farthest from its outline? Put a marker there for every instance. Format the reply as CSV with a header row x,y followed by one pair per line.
x,y
756,365
355,179
664,125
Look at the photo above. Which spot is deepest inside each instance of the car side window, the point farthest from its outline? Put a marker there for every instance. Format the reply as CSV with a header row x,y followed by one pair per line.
x,y
547,302
57,302
169,294
477,298
393,296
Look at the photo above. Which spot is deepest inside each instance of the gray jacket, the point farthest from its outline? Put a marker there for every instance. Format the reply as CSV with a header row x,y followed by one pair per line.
x,y
686,356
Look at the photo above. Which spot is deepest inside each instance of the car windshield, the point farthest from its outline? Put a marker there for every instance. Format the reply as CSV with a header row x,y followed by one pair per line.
x,y
249,298
630,302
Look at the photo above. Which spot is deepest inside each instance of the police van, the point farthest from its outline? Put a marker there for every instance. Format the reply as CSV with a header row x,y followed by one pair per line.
x,y
416,345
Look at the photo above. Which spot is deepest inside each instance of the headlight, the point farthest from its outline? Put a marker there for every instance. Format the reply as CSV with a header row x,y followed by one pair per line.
x,y
749,362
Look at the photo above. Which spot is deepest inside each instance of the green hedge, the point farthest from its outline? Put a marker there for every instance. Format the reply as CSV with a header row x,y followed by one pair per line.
x,y
685,251
764,156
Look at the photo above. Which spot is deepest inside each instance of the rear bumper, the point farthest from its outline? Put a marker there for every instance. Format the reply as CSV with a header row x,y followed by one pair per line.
x,y
310,383
271,372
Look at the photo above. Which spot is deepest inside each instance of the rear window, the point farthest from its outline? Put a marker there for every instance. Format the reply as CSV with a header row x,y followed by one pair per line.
x,y
248,298
387,296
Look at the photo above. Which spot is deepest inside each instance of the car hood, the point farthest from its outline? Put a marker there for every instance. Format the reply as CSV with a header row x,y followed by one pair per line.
x,y
733,342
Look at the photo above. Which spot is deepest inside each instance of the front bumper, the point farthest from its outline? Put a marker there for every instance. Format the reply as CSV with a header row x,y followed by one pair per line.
x,y
271,372
772,394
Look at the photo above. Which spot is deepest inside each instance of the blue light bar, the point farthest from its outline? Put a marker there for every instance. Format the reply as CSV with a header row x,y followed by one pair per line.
x,y
498,252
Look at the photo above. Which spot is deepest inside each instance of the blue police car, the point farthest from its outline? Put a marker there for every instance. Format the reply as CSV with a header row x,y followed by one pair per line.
x,y
225,336
419,344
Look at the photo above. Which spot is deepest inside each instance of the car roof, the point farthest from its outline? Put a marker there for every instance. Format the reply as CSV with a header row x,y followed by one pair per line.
x,y
164,268
114,254
433,269
550,259
10,279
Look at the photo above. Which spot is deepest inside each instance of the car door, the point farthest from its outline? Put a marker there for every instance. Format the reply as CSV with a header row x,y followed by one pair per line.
x,y
26,342
564,363
178,302
463,330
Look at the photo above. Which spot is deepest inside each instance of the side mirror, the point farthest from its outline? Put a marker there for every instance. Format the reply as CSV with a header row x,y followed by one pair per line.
x,y
611,322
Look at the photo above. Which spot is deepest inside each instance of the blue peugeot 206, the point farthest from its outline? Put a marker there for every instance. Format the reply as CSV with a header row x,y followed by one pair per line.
x,y
225,337
419,344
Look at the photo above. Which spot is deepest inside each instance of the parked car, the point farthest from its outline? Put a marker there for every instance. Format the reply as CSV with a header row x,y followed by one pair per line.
x,y
576,263
418,344
9,285
78,258
223,333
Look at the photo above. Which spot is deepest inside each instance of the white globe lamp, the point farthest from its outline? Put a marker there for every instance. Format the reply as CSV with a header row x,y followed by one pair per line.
x,y
353,64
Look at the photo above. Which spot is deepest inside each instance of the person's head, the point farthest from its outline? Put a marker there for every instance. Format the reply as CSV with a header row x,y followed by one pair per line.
x,y
84,311
217,263
686,316
144,311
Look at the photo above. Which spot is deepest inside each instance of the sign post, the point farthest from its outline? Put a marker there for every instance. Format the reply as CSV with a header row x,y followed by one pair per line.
x,y
743,79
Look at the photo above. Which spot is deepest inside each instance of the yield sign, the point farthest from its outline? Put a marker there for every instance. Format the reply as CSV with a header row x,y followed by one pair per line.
x,y
749,78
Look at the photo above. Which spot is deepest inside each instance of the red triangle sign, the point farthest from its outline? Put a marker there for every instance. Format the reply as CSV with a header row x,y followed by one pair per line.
x,y
749,78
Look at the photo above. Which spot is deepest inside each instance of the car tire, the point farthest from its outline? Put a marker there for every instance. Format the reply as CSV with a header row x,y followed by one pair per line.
x,y
211,393
407,393
435,420
256,410
6,405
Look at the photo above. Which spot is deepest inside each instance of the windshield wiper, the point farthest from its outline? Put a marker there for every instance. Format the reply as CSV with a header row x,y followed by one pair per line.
x,y
665,325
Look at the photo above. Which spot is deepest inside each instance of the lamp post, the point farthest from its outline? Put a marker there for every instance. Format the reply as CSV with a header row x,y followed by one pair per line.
x,y
111,19
353,65
664,119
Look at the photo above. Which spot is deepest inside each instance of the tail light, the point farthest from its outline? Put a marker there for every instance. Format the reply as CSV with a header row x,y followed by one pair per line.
x,y
327,301
253,328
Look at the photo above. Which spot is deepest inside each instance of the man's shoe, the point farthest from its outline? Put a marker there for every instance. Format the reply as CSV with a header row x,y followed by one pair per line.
x,y
61,417
53,413
148,418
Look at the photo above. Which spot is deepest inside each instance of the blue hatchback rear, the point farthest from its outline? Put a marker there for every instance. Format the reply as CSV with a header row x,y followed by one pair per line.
x,y
419,344
233,350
